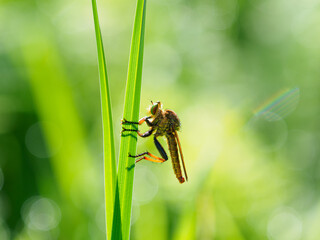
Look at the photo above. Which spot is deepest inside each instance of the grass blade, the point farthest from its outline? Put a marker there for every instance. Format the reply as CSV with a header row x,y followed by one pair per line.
x,y
108,137
131,112
63,130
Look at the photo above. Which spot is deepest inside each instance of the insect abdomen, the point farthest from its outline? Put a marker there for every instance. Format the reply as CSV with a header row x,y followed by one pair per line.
x,y
174,156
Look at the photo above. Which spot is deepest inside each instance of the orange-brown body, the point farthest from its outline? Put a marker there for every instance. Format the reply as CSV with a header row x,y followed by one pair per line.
x,y
162,123
166,123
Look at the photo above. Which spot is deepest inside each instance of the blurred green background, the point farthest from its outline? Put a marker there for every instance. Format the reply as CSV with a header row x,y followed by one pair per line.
x,y
220,64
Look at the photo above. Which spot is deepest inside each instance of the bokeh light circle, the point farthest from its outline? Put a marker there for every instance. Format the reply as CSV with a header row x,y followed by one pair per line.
x,y
4,231
40,213
36,143
285,225
135,213
145,185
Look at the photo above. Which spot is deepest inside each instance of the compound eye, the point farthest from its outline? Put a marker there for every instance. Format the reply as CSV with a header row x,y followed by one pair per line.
x,y
154,109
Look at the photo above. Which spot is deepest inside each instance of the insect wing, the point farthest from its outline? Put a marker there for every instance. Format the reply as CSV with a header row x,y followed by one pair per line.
x,y
182,160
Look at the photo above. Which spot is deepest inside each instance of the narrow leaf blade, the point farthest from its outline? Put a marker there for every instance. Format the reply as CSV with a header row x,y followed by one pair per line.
x,y
107,125
131,112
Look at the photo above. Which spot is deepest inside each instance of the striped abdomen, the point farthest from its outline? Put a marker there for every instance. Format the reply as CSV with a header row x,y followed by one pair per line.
x,y
174,156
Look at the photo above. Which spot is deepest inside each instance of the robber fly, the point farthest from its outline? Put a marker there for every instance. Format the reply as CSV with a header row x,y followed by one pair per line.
x,y
162,123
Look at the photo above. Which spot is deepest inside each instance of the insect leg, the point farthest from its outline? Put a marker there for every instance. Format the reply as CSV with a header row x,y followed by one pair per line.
x,y
142,120
157,159
146,134
160,148
125,121
146,119
150,124
128,130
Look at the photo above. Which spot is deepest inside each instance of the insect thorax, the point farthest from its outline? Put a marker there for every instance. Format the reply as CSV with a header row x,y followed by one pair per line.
x,y
167,123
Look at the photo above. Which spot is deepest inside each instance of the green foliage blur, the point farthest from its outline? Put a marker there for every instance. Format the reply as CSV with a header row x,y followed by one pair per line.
x,y
219,64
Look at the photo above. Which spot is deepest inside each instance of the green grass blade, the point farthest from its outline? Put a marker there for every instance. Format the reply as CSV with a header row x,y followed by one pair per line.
x,y
62,127
131,112
108,137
